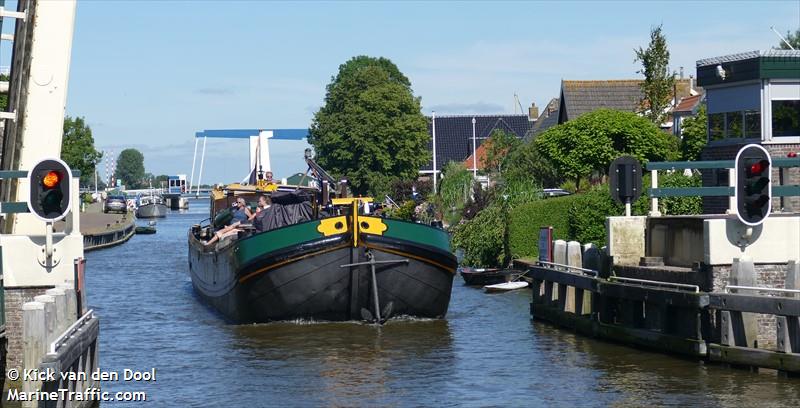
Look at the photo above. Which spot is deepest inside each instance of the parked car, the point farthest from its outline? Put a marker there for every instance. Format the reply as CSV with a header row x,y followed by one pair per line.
x,y
554,192
115,204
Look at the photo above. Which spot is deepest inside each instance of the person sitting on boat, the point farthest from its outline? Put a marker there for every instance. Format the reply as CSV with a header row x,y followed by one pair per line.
x,y
227,231
268,177
241,213
260,218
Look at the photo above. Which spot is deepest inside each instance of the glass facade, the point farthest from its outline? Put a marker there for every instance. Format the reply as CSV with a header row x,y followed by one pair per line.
x,y
734,125
785,118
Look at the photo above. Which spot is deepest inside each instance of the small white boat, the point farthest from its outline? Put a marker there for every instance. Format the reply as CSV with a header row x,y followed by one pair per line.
x,y
504,287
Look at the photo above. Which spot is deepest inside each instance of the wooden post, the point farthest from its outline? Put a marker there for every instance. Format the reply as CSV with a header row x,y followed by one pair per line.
x,y
574,258
559,257
60,298
744,325
72,301
34,343
49,316
788,328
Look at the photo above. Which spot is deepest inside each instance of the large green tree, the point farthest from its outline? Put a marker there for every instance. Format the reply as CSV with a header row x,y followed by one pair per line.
x,y
130,168
658,81
77,148
371,129
589,143
498,147
791,38
694,134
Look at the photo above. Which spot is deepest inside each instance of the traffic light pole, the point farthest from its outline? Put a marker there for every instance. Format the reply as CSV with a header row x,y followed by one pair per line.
x,y
48,244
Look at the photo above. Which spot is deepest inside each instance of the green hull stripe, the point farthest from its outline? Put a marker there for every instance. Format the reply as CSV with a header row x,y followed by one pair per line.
x,y
419,233
255,246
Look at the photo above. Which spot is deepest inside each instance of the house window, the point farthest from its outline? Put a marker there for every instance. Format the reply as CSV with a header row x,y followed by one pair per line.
x,y
716,126
752,124
734,125
785,118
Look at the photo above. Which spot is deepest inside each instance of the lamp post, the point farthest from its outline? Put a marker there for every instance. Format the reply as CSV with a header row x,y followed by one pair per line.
x,y
474,152
433,119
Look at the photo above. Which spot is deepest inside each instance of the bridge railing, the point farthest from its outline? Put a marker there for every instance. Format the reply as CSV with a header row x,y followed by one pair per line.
x,y
655,192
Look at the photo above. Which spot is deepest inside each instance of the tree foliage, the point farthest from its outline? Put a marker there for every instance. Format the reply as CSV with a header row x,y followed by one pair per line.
x,y
77,148
454,190
498,147
589,143
792,38
694,135
4,95
371,129
658,81
130,168
526,163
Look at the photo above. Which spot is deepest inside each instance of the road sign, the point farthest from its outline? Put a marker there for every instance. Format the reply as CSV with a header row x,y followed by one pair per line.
x,y
626,179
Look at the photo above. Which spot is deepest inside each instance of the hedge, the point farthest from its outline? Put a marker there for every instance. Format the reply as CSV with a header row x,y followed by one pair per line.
x,y
525,221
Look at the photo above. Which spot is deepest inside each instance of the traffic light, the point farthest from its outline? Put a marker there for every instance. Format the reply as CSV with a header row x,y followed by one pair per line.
x,y
753,184
49,183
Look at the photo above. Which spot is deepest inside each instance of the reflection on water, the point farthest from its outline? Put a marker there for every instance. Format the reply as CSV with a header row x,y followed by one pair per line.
x,y
487,352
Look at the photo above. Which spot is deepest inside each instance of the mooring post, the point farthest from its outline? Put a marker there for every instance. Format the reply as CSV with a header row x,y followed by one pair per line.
x,y
589,260
788,327
574,258
34,344
60,300
49,316
744,326
559,257
72,301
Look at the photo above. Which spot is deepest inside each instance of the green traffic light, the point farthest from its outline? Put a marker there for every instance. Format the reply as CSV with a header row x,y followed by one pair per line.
x,y
756,186
50,201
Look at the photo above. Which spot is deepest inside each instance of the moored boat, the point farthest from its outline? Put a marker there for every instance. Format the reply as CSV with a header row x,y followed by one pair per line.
x,y
483,277
151,206
319,258
505,287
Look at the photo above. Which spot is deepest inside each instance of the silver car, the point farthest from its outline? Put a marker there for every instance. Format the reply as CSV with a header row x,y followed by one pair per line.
x,y
115,204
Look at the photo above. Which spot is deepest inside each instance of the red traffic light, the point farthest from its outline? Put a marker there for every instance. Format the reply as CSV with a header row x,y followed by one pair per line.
x,y
758,167
51,179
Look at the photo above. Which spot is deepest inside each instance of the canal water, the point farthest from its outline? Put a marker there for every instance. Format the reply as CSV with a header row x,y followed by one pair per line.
x,y
486,353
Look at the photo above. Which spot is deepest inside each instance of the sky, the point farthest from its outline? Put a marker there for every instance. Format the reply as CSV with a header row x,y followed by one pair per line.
x,y
148,74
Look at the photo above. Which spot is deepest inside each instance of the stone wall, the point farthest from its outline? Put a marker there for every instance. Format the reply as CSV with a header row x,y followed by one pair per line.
x,y
15,298
767,275
790,176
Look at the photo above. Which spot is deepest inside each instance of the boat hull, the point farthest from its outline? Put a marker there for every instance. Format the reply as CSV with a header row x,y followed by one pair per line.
x,y
151,211
310,279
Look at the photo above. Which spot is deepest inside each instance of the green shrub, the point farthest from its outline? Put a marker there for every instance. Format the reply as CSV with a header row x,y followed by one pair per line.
x,y
482,238
526,219
679,205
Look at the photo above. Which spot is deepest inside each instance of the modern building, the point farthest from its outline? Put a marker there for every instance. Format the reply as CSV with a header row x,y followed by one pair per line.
x,y
751,97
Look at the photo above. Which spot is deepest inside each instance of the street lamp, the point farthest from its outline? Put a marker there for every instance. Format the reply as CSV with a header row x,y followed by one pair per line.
x,y
474,152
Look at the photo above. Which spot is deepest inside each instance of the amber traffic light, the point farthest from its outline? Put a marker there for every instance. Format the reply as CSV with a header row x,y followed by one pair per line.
x,y
49,183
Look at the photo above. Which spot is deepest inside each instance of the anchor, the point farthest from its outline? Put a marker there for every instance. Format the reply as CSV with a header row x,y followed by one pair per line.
x,y
380,316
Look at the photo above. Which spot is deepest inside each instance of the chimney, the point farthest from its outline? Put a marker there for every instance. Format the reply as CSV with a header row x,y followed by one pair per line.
x,y
691,83
533,112
681,72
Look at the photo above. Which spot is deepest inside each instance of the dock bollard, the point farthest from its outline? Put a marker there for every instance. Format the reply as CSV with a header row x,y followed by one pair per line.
x,y
49,317
34,343
60,298
573,259
744,329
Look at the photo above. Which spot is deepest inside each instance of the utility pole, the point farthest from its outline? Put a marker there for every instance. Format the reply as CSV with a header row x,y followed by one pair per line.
x,y
433,119
474,152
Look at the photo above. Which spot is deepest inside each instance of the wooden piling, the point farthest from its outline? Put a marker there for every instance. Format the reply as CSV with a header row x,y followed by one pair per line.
x,y
72,302
34,343
60,300
745,325
559,257
574,258
49,316
788,327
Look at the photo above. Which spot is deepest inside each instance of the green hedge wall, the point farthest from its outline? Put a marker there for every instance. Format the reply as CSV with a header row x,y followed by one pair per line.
x,y
525,220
